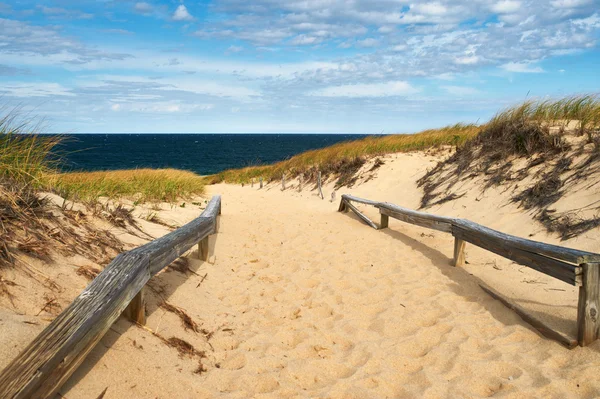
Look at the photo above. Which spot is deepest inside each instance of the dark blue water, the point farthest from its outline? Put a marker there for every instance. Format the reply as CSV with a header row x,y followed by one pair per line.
x,y
200,153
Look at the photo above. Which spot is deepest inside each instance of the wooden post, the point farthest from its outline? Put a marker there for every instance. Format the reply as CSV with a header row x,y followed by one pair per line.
x,y
203,249
385,221
320,189
299,183
283,182
588,319
459,252
252,183
261,183
136,310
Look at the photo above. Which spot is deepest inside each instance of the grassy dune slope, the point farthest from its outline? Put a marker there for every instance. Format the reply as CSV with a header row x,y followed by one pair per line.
x,y
339,157
522,129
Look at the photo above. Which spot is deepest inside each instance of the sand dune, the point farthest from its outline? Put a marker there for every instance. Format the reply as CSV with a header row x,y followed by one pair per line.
x,y
302,301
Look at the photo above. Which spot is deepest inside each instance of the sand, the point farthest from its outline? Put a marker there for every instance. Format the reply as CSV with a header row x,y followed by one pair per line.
x,y
298,300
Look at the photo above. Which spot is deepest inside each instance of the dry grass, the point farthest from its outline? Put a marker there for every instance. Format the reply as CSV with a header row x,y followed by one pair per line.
x,y
520,130
143,184
88,272
345,158
186,320
536,131
27,225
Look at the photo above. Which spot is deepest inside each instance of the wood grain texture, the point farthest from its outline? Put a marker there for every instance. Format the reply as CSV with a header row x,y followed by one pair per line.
x,y
352,198
417,218
459,252
552,251
384,222
534,322
49,360
362,216
203,249
136,310
588,318
566,272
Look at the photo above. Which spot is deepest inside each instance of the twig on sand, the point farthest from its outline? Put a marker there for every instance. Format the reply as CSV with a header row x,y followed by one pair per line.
x,y
102,394
201,281
50,305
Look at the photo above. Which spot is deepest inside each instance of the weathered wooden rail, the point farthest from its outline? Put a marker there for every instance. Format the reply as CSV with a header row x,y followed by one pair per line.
x,y
46,363
575,267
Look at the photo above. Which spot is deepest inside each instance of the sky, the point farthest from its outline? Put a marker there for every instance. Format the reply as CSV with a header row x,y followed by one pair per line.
x,y
298,66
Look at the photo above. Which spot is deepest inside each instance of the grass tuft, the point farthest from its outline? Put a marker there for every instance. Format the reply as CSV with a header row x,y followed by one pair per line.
x,y
145,184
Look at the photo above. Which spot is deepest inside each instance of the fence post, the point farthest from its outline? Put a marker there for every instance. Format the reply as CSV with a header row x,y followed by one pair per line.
x,y
252,183
136,310
282,181
203,249
320,189
385,221
588,319
299,183
261,182
459,252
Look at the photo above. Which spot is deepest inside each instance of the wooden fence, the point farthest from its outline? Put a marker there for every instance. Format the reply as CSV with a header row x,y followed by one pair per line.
x,y
46,363
575,267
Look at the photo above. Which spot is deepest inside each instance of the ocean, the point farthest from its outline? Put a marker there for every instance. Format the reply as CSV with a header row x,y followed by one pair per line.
x,y
201,153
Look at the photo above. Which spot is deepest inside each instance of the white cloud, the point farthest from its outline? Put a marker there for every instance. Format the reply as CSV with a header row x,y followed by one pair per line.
x,y
445,76
591,22
506,6
305,40
368,42
467,60
386,29
461,91
36,89
143,7
430,8
388,89
570,3
182,14
160,107
521,67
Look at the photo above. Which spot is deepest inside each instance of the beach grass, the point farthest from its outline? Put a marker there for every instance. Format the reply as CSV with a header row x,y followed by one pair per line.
x,y
24,155
145,185
29,164
335,158
523,129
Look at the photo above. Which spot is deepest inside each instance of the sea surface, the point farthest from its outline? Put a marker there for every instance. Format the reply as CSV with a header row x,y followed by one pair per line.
x,y
201,153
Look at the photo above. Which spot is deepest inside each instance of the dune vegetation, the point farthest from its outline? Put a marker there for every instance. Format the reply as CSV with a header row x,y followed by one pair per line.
x,y
28,164
522,129
145,185
559,142
337,158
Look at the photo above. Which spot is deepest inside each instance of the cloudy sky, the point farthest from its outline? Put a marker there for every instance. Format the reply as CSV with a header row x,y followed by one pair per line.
x,y
364,66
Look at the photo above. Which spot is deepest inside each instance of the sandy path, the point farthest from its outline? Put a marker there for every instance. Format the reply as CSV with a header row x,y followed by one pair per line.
x,y
308,302
327,307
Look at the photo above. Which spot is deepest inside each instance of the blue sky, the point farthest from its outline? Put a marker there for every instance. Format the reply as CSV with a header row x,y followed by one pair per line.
x,y
356,66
